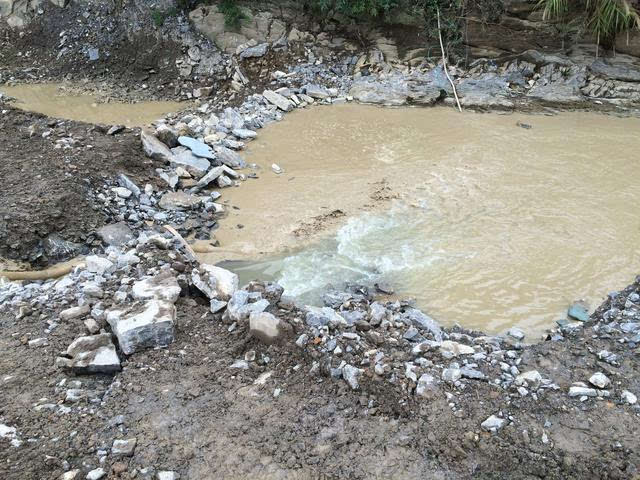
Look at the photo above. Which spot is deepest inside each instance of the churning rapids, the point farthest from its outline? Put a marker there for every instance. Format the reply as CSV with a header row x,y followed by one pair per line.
x,y
493,225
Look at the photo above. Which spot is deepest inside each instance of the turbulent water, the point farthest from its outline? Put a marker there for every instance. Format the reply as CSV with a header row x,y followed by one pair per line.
x,y
495,225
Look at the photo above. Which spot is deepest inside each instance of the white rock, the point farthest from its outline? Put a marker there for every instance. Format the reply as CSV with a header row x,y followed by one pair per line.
x,y
122,192
162,287
96,474
493,423
215,282
599,380
456,348
70,475
582,391
351,375
278,100
99,265
532,378
629,397
516,333
426,383
167,475
91,354
276,168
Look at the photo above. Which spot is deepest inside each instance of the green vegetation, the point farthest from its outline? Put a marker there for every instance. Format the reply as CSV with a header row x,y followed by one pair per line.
x,y
233,15
604,18
160,16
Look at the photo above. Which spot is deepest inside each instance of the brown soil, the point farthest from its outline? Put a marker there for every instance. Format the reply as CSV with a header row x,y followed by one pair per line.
x,y
44,188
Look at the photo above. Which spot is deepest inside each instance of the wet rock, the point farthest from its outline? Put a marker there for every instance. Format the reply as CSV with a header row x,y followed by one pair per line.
x,y
179,201
267,328
493,423
154,148
74,312
91,354
351,375
99,265
278,100
215,282
230,158
116,234
123,448
197,147
516,333
162,287
146,325
579,311
599,380
323,316
255,52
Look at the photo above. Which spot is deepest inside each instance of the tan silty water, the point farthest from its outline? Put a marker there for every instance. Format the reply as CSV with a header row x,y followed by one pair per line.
x,y
495,225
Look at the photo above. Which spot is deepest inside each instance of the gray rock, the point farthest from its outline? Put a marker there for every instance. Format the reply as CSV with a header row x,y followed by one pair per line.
x,y
472,373
93,54
232,119
351,375
230,158
493,423
516,333
198,148
179,201
167,475
91,354
244,133
171,178
316,91
215,282
420,320
239,309
144,325
267,328
278,100
625,72
196,166
320,317
377,313
163,286
254,52
167,135
96,474
123,448
127,183
531,378
74,312
154,148
116,234
578,391
579,311
216,306
451,375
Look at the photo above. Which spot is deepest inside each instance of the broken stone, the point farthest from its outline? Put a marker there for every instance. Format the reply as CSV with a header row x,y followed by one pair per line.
x,y
532,378
91,354
455,348
239,308
123,448
162,287
351,375
99,265
629,397
96,474
179,201
230,158
451,375
215,282
278,100
579,311
516,333
493,423
420,320
320,317
116,234
426,383
577,391
143,326
154,148
74,312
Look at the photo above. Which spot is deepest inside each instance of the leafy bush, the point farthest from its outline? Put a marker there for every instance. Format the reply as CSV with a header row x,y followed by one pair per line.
x,y
233,15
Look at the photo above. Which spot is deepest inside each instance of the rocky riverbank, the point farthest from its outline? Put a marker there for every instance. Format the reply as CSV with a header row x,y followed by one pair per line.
x,y
145,363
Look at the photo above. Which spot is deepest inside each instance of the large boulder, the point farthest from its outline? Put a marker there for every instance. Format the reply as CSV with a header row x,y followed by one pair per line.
x,y
144,325
154,148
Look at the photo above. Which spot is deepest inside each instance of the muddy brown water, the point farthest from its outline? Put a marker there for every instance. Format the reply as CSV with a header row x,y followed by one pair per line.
x,y
494,225
58,101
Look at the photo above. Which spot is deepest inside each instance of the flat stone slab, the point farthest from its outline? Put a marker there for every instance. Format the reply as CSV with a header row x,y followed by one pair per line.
x,y
162,287
195,165
154,148
278,100
179,201
198,148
